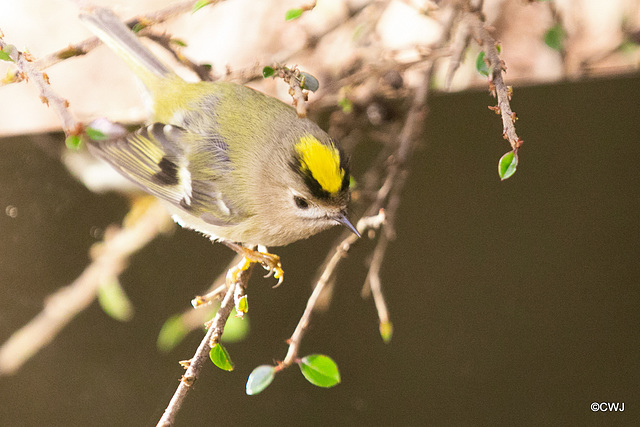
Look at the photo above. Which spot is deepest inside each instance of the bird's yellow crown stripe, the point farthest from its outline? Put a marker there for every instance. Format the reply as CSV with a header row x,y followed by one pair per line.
x,y
322,161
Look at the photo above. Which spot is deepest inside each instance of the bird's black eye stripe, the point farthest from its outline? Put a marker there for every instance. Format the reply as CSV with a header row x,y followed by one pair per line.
x,y
300,202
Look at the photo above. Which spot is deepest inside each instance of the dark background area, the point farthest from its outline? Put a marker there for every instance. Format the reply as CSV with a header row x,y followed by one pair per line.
x,y
514,303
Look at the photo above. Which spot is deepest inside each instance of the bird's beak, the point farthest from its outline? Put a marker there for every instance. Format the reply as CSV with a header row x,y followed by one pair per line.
x,y
342,219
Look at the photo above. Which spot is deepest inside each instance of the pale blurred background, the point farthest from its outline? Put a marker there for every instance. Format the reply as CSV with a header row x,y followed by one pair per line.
x,y
245,34
514,303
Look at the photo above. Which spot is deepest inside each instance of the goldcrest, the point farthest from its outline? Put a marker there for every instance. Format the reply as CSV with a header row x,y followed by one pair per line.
x,y
227,160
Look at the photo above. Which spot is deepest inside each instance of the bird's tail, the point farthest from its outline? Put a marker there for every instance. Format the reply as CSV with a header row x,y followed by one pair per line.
x,y
115,34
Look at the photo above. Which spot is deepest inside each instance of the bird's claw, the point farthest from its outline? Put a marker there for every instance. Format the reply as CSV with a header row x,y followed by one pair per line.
x,y
269,262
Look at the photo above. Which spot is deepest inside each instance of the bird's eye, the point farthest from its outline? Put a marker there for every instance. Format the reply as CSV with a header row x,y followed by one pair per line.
x,y
300,202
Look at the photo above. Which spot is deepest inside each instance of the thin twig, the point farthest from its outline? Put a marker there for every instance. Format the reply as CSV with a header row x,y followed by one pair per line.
x,y
291,76
149,19
32,70
61,307
85,46
217,288
460,43
48,96
191,319
373,278
389,193
169,44
197,362
339,252
498,86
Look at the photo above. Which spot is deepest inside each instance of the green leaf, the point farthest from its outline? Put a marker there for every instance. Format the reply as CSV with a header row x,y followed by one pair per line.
x,y
260,378
346,105
220,357
200,4
353,184
386,331
73,142
627,47
268,72
555,37
507,165
320,370
242,306
139,26
307,81
172,333
481,66
236,329
179,42
95,134
5,56
293,14
114,301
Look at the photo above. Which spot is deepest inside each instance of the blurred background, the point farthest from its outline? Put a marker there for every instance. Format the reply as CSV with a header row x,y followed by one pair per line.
x,y
513,302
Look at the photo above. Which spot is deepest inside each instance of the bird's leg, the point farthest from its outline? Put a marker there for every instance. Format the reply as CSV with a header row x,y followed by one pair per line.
x,y
269,262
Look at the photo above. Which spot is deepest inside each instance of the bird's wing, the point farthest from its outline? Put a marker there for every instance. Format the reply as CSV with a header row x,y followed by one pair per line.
x,y
164,161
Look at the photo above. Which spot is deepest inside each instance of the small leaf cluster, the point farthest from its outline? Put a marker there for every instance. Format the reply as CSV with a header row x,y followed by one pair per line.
x,y
318,369
75,140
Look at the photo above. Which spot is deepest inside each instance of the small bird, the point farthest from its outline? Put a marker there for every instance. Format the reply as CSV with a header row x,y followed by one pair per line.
x,y
228,161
